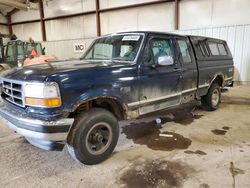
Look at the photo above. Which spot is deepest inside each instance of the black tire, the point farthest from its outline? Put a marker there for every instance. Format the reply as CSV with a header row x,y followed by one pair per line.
x,y
208,100
92,129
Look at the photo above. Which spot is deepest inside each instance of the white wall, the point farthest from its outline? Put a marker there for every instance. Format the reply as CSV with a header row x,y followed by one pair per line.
x,y
156,17
65,49
213,13
71,28
65,7
4,29
3,19
25,16
25,31
116,3
238,39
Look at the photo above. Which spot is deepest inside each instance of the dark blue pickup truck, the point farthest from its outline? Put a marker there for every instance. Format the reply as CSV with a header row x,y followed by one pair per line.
x,y
121,76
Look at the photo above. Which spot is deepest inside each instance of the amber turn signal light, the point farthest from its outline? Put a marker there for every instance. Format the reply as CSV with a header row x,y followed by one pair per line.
x,y
54,102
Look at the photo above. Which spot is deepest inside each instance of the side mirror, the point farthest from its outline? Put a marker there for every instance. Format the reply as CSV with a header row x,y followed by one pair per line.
x,y
165,60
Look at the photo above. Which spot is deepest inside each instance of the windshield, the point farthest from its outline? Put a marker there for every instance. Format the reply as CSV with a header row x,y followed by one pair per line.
x,y
114,47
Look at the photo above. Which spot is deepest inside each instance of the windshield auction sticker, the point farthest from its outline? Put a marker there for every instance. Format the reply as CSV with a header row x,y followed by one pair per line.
x,y
131,37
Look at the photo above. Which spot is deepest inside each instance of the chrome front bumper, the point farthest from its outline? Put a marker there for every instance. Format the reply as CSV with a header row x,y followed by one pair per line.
x,y
37,131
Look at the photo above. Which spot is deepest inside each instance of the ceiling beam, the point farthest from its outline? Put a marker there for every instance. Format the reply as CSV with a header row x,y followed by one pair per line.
x,y
4,24
19,5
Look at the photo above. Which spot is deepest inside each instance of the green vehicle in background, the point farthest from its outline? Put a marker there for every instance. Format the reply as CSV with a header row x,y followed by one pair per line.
x,y
16,51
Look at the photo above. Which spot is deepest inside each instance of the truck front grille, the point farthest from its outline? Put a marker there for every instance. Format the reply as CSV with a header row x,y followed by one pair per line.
x,y
13,92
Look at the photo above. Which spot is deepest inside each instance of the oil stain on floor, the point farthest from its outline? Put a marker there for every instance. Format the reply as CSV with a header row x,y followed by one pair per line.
x,y
219,132
198,152
222,131
149,134
156,173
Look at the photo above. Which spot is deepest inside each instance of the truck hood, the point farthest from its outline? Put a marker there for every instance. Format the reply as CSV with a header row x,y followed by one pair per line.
x,y
40,72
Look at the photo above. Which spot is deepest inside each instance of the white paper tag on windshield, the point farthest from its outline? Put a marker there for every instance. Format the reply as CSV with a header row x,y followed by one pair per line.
x,y
131,37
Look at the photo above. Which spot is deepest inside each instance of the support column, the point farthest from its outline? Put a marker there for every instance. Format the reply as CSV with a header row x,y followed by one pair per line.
x,y
176,15
42,20
98,24
9,24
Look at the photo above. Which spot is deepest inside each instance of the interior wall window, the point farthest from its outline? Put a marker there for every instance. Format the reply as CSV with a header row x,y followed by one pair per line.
x,y
184,50
157,48
214,48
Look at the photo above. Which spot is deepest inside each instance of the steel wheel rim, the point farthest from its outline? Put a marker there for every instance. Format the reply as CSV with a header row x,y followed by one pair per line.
x,y
99,138
215,97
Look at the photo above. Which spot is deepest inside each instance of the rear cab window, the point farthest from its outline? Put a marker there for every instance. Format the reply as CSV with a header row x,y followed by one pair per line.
x,y
217,49
210,49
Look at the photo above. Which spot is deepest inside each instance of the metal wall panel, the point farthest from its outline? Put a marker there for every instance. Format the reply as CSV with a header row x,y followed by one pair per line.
x,y
3,19
4,29
25,16
65,7
25,31
238,39
156,17
213,13
71,28
65,49
116,3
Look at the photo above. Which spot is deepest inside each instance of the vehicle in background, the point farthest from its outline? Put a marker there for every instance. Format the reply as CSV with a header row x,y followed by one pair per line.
x,y
3,64
16,51
121,76
40,59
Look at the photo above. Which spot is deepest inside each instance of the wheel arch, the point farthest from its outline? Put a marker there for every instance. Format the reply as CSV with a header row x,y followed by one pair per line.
x,y
112,104
218,78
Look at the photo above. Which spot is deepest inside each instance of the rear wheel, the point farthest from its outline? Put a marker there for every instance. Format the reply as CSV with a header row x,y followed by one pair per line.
x,y
93,136
212,100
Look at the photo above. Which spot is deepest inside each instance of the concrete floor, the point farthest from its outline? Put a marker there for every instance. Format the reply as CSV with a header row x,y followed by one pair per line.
x,y
196,149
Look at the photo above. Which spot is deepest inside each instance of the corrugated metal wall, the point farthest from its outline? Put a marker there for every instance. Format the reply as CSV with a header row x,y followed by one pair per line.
x,y
64,49
238,38
4,29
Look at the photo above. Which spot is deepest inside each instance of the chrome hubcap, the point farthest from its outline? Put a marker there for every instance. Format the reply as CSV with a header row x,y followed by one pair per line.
x,y
99,138
215,97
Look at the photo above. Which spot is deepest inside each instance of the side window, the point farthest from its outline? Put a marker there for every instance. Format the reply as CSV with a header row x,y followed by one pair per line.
x,y
213,48
222,49
157,48
201,49
185,54
217,48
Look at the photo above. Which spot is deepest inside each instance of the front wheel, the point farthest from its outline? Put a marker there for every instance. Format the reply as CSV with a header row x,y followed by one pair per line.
x,y
93,136
212,100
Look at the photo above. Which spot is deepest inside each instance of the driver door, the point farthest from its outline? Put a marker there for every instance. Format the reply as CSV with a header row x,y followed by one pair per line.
x,y
159,84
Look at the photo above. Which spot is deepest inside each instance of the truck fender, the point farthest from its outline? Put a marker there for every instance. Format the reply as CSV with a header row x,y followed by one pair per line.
x,y
216,76
98,93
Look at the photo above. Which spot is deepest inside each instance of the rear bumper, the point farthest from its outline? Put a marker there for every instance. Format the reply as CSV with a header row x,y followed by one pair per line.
x,y
43,134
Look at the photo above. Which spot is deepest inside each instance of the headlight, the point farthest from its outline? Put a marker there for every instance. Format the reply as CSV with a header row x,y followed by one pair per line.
x,y
42,95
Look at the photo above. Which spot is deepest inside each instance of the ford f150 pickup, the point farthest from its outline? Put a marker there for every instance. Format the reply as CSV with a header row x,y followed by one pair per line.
x,y
121,76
